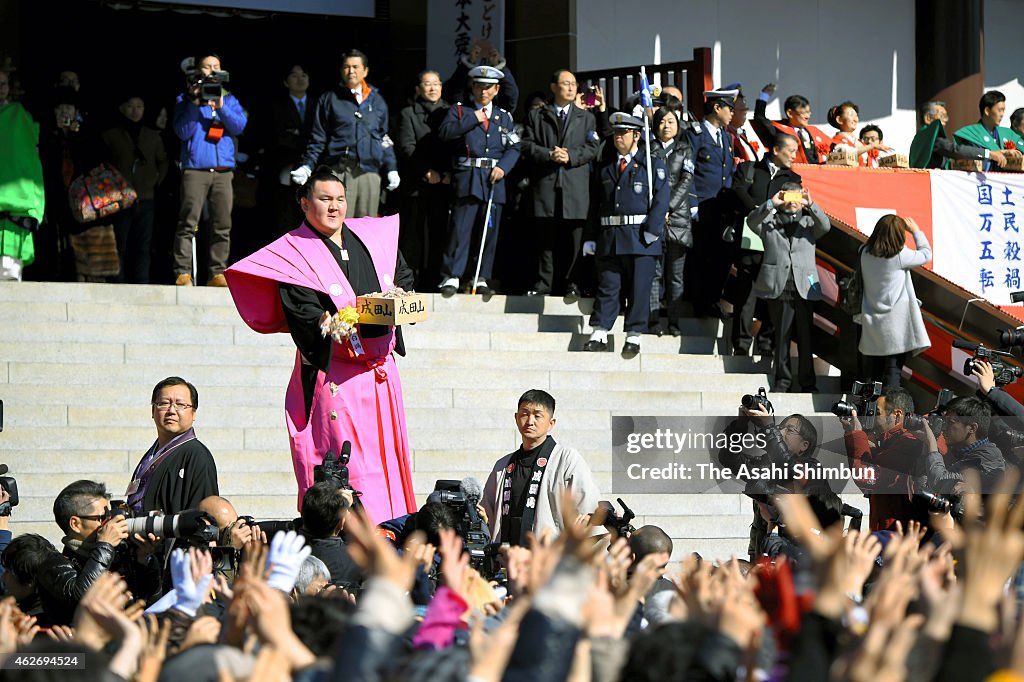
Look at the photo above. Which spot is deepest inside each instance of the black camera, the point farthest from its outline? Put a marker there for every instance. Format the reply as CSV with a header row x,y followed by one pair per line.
x,y
210,87
620,524
863,397
197,527
475,535
935,421
757,402
11,487
1004,373
335,470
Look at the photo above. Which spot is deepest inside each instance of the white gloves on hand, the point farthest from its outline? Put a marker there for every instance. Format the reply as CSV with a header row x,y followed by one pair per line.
x,y
589,248
287,552
189,593
393,180
301,174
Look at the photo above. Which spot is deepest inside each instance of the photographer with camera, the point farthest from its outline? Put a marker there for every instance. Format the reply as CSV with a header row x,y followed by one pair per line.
x,y
207,119
793,441
1001,401
96,540
895,457
325,509
966,428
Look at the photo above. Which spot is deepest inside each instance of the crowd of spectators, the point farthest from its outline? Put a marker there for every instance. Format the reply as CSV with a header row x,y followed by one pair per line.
x,y
534,180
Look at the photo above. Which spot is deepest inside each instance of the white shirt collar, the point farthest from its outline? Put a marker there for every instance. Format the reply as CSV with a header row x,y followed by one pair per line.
x,y
559,110
627,157
297,100
713,130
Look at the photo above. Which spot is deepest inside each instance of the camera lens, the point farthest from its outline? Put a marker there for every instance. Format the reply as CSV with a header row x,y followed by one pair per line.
x,y
843,409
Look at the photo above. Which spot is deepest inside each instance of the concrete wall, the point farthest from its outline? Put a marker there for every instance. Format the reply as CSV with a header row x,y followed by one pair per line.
x,y
1004,51
808,47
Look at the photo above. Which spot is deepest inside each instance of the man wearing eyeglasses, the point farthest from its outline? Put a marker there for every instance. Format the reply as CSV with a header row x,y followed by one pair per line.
x,y
178,471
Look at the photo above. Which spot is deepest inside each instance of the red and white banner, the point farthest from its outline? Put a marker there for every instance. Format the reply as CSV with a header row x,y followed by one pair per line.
x,y
972,220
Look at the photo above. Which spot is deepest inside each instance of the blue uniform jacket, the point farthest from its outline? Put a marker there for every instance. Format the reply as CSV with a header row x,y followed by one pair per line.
x,y
470,139
191,123
342,128
627,195
713,165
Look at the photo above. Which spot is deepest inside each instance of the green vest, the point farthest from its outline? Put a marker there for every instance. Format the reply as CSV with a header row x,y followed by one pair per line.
x,y
976,136
923,146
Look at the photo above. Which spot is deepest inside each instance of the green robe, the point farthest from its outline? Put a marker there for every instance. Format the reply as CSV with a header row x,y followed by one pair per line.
x,y
923,146
21,180
976,136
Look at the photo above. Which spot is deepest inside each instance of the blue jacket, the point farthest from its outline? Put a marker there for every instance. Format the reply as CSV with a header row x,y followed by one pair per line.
x,y
626,194
470,139
713,165
344,129
191,124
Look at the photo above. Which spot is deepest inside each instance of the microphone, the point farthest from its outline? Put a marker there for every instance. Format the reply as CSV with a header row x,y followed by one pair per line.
x,y
346,452
966,345
472,491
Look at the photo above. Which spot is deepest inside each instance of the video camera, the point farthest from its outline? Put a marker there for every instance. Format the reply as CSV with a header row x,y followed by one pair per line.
x,y
863,397
1004,373
196,527
209,87
462,497
916,422
612,521
335,470
11,487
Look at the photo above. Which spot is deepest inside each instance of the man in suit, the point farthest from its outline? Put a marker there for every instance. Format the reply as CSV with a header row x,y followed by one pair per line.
x,y
629,239
424,160
788,280
561,140
488,148
754,183
814,144
291,118
710,206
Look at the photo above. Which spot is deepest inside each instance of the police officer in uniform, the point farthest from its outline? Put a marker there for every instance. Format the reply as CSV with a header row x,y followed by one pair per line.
x,y
711,204
628,241
487,148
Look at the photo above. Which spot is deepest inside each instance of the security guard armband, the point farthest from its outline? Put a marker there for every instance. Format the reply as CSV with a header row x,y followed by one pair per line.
x,y
508,137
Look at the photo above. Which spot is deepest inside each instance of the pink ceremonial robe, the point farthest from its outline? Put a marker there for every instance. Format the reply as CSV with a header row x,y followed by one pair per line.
x,y
359,398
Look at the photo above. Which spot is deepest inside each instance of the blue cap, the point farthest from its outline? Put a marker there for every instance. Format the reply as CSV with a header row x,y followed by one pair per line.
x,y
726,96
623,121
486,74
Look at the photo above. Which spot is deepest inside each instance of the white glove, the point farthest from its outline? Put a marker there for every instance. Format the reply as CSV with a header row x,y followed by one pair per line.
x,y
287,552
301,174
393,180
589,248
189,593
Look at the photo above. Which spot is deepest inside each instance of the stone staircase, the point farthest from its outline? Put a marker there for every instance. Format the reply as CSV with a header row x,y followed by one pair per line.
x,y
78,362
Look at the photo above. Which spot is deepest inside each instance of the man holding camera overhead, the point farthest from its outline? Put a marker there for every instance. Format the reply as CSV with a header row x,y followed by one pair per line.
x,y
895,457
178,471
207,118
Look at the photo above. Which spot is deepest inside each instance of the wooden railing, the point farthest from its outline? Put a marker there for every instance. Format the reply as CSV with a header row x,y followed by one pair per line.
x,y
619,84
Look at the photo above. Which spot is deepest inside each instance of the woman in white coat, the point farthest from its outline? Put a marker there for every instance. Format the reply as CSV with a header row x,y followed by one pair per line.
x,y
892,326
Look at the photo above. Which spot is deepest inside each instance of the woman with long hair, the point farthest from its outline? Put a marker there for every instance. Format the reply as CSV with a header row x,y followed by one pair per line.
x,y
892,326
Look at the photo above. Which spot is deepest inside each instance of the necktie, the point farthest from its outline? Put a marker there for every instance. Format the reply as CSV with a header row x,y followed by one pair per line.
x,y
622,166
358,94
487,119
562,115
302,109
